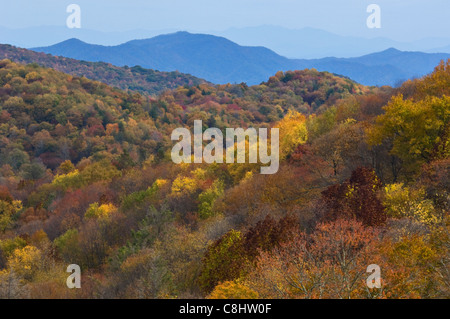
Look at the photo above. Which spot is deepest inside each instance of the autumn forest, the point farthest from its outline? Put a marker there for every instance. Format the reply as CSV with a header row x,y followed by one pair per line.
x,y
86,178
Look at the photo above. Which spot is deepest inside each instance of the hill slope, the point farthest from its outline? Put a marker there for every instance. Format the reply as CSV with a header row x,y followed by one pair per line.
x,y
135,78
387,67
48,116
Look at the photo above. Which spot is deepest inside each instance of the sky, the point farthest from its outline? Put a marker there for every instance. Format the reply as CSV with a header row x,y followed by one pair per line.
x,y
404,20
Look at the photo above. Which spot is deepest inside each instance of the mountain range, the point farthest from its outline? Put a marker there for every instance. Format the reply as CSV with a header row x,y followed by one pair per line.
x,y
302,43
219,60
32,36
312,43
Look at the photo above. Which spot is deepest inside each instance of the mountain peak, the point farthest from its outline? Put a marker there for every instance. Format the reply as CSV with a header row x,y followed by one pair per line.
x,y
181,38
69,43
392,50
73,41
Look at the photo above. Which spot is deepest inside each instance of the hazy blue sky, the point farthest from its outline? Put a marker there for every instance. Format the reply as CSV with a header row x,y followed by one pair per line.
x,y
401,19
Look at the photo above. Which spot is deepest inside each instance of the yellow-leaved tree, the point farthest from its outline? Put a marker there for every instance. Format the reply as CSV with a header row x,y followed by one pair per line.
x,y
293,132
25,262
233,290
419,131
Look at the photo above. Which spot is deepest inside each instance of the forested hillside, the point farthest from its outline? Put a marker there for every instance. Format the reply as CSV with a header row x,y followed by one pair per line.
x,y
57,117
86,178
134,78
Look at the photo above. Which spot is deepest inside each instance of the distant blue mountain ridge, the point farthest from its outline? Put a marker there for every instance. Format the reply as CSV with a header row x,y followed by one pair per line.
x,y
219,60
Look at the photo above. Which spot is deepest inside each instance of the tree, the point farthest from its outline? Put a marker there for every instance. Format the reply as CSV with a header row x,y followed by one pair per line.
x,y
401,201
208,198
419,130
7,247
125,161
356,198
25,262
233,290
100,211
184,185
269,234
331,262
233,255
33,171
434,179
7,210
293,132
435,84
343,148
440,240
143,275
67,245
66,167
223,261
11,286
408,267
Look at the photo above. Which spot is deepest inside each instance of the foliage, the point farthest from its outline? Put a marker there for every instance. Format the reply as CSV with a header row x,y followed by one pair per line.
x,y
208,198
402,202
233,290
25,262
86,178
356,198
136,78
329,263
183,185
419,130
100,211
7,212
223,261
292,132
